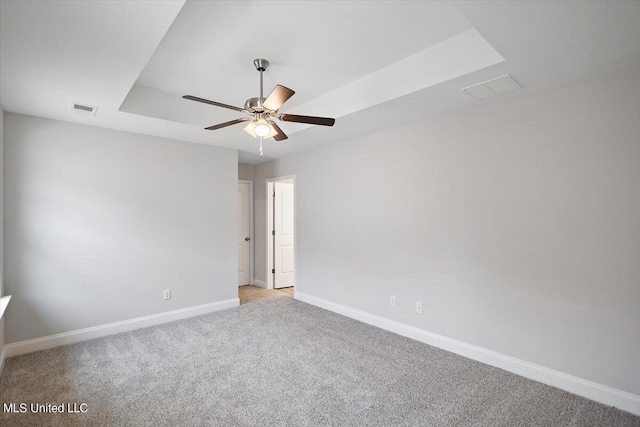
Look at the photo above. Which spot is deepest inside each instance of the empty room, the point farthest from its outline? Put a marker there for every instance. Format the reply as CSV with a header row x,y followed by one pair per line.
x,y
319,213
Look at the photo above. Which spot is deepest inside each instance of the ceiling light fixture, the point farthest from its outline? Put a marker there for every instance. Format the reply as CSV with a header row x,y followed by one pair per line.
x,y
261,127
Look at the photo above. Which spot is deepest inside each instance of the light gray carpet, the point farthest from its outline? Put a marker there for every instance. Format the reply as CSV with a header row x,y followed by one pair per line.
x,y
277,361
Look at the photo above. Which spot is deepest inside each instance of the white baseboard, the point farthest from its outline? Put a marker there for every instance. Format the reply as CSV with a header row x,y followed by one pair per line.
x,y
3,356
37,344
585,388
260,283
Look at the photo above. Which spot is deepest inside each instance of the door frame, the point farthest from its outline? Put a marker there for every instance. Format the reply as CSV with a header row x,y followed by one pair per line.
x,y
268,224
251,244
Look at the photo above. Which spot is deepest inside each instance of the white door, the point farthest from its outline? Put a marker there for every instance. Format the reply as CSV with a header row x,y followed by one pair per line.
x,y
244,234
283,242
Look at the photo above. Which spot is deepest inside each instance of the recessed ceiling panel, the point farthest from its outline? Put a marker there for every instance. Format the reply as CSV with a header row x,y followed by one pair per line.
x,y
313,46
339,57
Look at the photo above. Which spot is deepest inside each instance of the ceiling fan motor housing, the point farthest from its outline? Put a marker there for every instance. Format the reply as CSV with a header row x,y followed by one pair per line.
x,y
254,105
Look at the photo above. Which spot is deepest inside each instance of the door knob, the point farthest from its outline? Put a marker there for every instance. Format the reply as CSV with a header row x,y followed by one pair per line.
x,y
246,239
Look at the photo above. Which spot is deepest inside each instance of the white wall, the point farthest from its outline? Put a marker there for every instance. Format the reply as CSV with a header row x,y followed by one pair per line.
x,y
2,293
517,225
99,222
245,172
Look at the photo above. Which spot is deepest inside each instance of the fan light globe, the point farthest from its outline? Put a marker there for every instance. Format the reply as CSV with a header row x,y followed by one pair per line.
x,y
262,129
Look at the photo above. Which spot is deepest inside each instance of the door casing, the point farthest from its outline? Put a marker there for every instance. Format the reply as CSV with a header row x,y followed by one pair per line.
x,y
269,226
251,234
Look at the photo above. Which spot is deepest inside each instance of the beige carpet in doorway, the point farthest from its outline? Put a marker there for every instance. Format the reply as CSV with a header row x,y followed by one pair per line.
x,y
251,293
288,290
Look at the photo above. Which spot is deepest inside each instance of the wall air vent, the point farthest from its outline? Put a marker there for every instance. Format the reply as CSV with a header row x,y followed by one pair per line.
x,y
493,87
83,110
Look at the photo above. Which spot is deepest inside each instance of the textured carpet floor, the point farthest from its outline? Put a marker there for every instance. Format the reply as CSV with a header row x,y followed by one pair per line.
x,y
278,361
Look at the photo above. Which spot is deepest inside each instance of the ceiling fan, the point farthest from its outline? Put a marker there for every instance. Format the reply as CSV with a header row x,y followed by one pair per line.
x,y
261,111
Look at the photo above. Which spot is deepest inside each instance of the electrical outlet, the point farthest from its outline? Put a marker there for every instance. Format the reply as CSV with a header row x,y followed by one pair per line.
x,y
166,294
392,301
418,307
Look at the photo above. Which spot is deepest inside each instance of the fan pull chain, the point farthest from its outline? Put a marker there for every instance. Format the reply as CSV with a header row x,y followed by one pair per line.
x,y
261,147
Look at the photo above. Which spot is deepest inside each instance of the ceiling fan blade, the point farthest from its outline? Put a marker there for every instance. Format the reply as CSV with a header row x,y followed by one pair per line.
x,y
217,104
281,135
278,96
225,124
322,121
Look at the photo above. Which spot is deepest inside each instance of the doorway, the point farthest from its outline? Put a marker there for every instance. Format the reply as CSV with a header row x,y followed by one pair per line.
x,y
281,233
245,232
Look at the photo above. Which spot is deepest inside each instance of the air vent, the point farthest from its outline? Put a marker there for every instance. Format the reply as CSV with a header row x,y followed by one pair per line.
x,y
83,110
493,87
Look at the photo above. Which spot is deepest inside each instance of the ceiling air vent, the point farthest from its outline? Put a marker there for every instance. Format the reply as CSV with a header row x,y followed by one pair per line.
x,y
493,87
83,110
